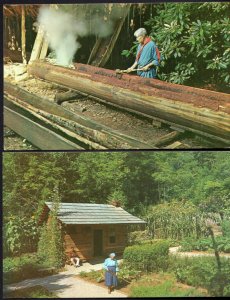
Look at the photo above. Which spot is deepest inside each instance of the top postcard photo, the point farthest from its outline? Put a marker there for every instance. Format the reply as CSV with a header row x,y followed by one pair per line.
x,y
116,76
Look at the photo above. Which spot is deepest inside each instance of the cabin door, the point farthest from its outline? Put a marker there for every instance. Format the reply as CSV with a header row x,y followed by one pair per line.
x,y
98,242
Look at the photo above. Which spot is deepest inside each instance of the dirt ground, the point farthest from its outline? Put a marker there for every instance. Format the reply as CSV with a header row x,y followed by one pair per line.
x,y
126,123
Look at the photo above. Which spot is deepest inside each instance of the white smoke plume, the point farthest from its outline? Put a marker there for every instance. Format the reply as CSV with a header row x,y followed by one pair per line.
x,y
62,30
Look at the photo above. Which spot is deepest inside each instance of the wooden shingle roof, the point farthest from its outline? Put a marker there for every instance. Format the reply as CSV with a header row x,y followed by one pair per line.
x,y
90,213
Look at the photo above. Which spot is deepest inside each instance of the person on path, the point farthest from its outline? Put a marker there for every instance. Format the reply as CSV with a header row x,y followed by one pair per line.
x,y
74,258
146,57
111,267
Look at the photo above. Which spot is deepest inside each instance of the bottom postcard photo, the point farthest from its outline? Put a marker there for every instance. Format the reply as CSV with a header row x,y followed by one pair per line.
x,y
116,224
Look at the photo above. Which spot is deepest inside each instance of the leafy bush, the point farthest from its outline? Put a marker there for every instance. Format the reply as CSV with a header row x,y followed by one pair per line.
x,y
20,235
51,243
204,244
225,225
22,267
136,237
128,274
175,220
149,257
194,41
203,272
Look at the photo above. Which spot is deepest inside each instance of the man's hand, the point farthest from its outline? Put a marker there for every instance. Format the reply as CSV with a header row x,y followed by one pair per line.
x,y
129,70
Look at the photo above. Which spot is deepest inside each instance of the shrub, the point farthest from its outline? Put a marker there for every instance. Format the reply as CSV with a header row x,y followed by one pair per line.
x,y
194,40
22,267
203,272
225,225
51,243
149,257
20,235
189,244
136,237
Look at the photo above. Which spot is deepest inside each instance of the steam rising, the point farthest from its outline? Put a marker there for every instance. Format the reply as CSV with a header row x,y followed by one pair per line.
x,y
63,29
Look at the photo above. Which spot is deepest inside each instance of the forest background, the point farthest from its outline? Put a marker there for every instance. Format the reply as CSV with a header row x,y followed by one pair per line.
x,y
144,183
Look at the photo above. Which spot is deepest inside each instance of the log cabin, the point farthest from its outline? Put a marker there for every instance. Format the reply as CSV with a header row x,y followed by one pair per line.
x,y
93,230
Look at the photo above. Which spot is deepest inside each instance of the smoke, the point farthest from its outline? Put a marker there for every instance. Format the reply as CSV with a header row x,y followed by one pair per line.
x,y
62,30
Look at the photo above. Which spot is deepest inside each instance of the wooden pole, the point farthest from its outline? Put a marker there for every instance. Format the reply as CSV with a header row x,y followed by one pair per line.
x,y
23,35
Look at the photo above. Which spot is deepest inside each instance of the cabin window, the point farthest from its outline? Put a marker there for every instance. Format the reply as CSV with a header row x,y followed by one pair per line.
x,y
112,235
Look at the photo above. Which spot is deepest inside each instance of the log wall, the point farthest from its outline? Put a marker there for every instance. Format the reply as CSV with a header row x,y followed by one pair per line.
x,y
81,238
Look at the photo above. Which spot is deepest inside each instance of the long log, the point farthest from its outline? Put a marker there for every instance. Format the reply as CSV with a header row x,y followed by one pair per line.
x,y
201,111
85,127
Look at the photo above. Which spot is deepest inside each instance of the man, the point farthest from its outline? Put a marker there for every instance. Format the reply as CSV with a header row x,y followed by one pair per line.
x,y
74,258
146,58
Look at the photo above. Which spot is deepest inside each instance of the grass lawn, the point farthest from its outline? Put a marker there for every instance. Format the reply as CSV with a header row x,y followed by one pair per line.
x,y
163,285
31,292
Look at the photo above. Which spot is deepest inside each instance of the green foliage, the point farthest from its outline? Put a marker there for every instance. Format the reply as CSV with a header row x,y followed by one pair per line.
x,y
20,235
97,276
203,272
194,40
51,243
31,292
165,289
147,257
128,274
132,51
22,267
136,237
175,220
204,244
118,197
143,178
225,225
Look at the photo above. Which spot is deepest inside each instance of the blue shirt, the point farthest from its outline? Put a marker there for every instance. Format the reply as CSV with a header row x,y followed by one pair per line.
x,y
110,263
148,55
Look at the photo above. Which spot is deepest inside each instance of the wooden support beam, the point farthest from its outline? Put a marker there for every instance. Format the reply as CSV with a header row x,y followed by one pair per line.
x,y
23,34
104,46
35,54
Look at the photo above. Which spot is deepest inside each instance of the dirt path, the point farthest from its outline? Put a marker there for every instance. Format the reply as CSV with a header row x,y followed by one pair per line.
x,y
67,285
